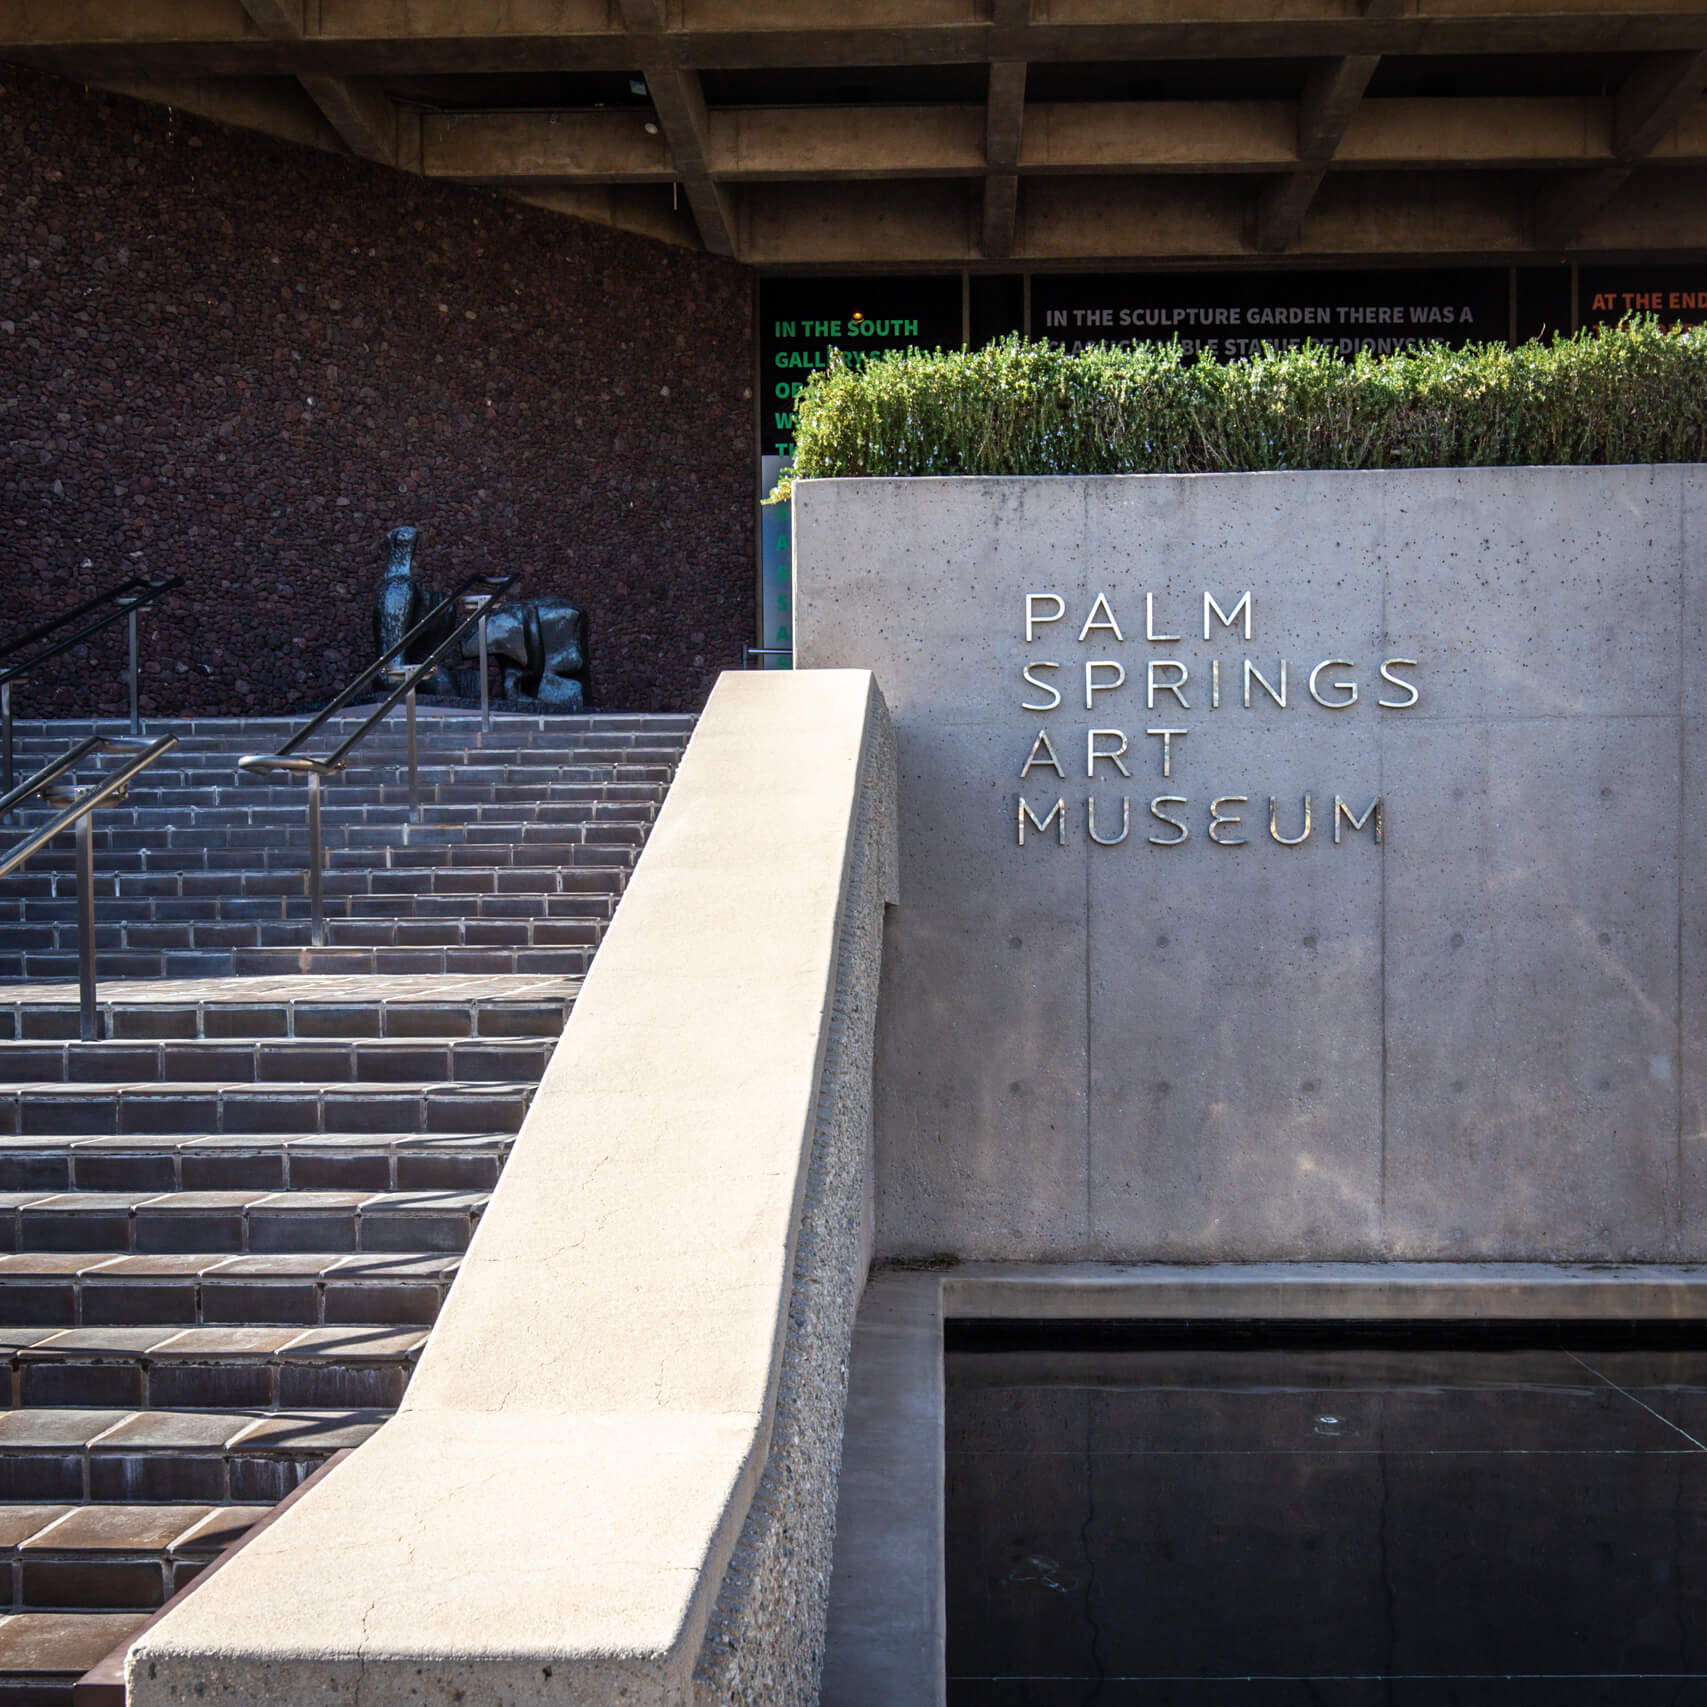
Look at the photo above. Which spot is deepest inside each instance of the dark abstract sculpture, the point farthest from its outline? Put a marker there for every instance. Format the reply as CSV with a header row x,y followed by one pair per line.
x,y
540,644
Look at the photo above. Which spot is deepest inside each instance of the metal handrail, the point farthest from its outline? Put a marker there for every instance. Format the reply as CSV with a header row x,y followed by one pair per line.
x,y
288,760
133,595
77,812
768,652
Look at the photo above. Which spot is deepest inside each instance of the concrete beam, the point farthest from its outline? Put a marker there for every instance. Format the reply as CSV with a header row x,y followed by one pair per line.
x,y
358,110
1357,216
517,148
1004,125
1652,100
282,20
1566,204
849,142
756,144
1331,97
393,38
679,102
1281,207
362,115
1648,106
858,224
275,106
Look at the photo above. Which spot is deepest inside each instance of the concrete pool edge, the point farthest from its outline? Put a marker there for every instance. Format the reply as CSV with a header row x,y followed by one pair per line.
x,y
1422,1291
886,1637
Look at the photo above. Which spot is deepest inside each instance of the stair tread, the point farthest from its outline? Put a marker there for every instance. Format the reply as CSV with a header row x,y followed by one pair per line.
x,y
366,1341
62,1644
150,1143
201,1202
121,1430
140,1529
224,1264
270,1060
303,987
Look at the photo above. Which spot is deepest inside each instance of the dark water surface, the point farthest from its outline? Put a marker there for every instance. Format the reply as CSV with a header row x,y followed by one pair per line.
x,y
1241,1523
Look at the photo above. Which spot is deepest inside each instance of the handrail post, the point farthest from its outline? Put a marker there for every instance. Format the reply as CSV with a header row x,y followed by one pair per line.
x,y
6,737
316,858
414,759
135,715
485,690
88,1015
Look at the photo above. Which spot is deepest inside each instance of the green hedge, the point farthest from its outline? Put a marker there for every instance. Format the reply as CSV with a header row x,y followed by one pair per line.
x,y
1634,393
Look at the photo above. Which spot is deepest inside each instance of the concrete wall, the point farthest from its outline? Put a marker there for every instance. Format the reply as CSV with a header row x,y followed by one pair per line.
x,y
242,360
1477,1039
613,1478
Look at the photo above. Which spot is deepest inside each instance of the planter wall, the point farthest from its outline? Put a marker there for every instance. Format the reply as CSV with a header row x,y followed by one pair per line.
x,y
1477,1038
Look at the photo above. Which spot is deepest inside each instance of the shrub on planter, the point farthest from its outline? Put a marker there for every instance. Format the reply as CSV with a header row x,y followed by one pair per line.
x,y
1633,393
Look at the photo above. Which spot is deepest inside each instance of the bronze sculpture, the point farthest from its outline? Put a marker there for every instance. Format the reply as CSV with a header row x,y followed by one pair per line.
x,y
403,599
540,644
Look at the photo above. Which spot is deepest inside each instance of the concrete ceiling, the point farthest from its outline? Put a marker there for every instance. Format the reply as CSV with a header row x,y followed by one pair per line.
x,y
969,132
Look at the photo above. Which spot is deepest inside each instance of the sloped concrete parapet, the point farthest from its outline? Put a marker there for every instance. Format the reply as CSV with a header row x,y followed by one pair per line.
x,y
613,1478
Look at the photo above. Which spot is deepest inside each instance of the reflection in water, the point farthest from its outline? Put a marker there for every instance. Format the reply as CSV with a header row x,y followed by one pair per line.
x,y
1145,1520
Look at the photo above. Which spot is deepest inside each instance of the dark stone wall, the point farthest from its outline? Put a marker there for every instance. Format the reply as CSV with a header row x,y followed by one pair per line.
x,y
244,361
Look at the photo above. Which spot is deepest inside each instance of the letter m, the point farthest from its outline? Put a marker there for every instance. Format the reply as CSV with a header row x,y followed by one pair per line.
x,y
1371,812
1056,815
1227,618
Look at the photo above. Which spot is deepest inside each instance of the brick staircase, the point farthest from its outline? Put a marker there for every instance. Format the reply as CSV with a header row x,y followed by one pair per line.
x,y
232,1222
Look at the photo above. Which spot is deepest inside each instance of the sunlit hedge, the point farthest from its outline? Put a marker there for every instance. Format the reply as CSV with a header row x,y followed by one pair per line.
x,y
1634,393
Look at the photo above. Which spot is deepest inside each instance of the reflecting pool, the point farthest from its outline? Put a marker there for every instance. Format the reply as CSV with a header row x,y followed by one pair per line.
x,y
1146,1519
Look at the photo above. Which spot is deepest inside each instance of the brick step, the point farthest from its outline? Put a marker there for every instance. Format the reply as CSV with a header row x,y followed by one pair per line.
x,y
43,1292
55,964
572,785
237,1161
383,761
167,1366
101,1558
255,803
252,881
377,757
155,936
277,855
386,784
190,834
51,1109
232,1455
43,1654
238,1222
396,962
486,856
389,739
179,909
507,723
237,1010
277,1060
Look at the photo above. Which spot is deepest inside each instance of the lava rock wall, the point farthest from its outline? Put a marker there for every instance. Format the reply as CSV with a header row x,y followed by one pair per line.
x,y
242,361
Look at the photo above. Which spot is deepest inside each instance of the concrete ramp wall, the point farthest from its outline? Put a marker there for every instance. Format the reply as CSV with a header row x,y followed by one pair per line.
x,y
1244,1012
614,1475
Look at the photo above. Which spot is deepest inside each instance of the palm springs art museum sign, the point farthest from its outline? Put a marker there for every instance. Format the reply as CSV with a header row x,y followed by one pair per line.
x,y
1205,1036
1159,685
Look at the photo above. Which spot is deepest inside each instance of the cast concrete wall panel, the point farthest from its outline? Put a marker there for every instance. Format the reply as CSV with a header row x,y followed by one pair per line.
x,y
1474,1041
